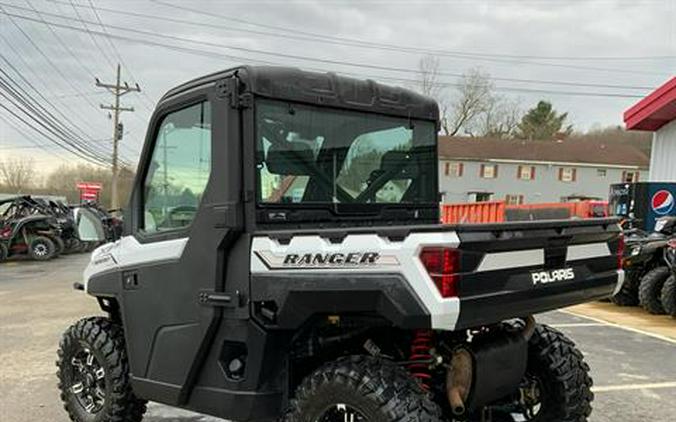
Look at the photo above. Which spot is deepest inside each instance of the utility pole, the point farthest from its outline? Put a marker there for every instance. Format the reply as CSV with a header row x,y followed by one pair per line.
x,y
118,89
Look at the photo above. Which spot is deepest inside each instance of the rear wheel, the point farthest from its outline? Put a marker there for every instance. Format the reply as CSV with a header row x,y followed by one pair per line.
x,y
668,296
360,388
557,385
41,248
651,288
93,374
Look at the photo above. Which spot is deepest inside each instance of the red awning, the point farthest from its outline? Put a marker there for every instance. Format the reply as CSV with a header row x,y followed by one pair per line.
x,y
655,110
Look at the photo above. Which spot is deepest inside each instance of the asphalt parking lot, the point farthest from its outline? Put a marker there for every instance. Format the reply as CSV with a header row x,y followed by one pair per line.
x,y
634,370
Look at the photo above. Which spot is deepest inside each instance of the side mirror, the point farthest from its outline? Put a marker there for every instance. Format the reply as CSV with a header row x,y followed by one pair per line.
x,y
292,158
88,226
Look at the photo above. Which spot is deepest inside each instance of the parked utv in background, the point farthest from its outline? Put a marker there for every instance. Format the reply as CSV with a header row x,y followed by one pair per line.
x,y
25,230
43,229
644,259
282,259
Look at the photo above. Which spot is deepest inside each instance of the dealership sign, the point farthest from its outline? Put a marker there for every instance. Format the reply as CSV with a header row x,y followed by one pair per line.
x,y
89,191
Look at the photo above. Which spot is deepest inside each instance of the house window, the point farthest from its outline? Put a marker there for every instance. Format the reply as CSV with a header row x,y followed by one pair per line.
x,y
514,199
525,173
480,196
601,172
453,169
567,174
629,176
489,171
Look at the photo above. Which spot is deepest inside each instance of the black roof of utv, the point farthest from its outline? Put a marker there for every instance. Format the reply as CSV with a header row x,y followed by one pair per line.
x,y
329,89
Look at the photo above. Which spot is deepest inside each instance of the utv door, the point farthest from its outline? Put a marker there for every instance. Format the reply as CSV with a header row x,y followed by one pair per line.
x,y
184,215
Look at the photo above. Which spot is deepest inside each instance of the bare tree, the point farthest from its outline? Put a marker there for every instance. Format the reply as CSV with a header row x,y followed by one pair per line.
x,y
428,77
474,96
16,173
428,83
500,119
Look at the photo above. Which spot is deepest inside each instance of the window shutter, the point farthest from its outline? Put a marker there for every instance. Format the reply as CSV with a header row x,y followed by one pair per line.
x,y
495,171
518,172
636,176
447,167
482,171
624,176
461,168
561,174
532,173
574,175
520,199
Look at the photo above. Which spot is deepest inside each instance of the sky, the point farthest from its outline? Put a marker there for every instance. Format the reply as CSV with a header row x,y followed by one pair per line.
x,y
590,58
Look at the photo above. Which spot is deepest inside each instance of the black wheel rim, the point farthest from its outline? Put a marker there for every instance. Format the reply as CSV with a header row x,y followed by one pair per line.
x,y
341,413
530,397
88,383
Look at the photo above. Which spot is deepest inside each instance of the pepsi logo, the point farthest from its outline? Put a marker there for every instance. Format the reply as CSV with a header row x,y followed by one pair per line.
x,y
662,202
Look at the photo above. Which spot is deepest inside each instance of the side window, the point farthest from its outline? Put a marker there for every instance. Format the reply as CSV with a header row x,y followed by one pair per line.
x,y
179,169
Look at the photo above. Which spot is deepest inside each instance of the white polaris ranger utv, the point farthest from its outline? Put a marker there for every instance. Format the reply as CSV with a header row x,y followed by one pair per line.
x,y
283,260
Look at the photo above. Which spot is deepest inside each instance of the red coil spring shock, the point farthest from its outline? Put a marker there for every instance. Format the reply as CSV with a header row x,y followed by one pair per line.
x,y
421,356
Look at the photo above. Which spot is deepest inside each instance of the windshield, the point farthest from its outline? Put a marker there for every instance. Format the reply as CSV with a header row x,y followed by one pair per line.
x,y
318,155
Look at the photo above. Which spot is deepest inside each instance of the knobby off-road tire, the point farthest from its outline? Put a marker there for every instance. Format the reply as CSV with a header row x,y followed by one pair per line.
x,y
651,288
41,248
372,389
562,376
103,340
4,252
668,296
628,294
59,245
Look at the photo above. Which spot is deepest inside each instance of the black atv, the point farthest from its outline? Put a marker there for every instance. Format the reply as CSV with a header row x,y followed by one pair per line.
x,y
644,257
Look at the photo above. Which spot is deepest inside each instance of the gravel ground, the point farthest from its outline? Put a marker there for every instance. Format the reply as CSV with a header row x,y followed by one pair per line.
x,y
634,371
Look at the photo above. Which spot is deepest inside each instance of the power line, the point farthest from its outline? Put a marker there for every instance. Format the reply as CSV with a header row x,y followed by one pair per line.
x,y
70,52
45,56
37,109
288,56
28,105
96,44
118,55
317,37
497,57
314,37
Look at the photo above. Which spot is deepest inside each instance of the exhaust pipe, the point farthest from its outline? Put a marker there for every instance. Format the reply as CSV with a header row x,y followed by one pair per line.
x,y
459,379
461,372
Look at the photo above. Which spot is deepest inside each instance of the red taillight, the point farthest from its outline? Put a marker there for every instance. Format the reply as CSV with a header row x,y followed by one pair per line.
x,y
620,251
443,266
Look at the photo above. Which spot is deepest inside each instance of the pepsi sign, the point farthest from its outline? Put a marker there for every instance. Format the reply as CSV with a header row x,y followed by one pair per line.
x,y
662,202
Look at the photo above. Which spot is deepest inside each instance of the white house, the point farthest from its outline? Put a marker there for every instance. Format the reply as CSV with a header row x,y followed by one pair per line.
x,y
518,171
657,113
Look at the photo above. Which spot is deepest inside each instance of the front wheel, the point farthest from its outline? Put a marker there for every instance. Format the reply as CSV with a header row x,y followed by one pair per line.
x,y
651,288
668,297
93,374
557,385
360,388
